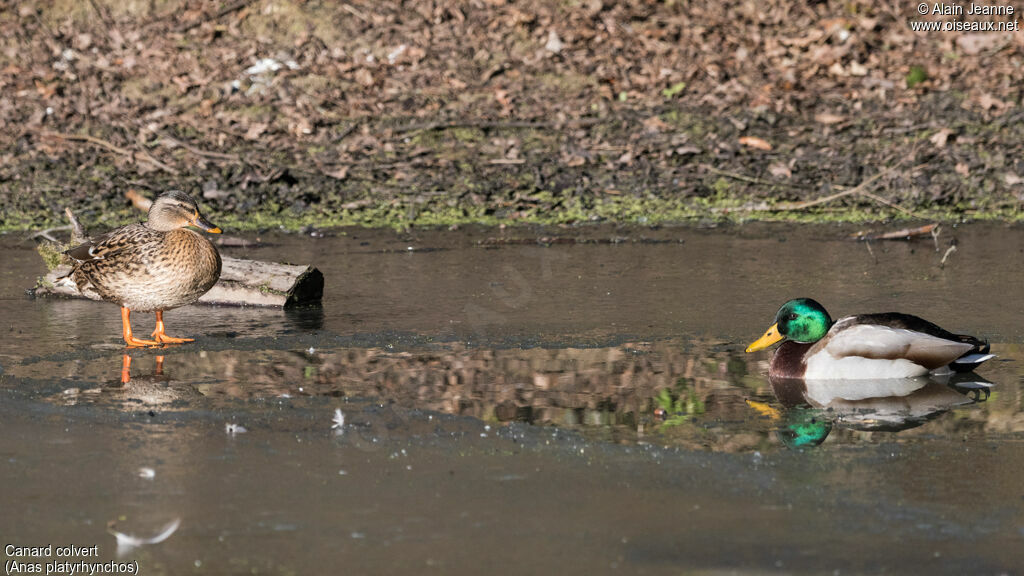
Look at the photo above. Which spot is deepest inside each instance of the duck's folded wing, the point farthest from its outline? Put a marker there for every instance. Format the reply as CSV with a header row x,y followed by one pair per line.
x,y
98,248
883,342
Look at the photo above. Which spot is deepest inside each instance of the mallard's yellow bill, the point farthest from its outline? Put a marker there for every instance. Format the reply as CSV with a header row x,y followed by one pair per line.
x,y
770,337
765,409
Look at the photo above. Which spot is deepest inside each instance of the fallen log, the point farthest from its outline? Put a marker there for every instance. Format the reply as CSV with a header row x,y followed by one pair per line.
x,y
242,282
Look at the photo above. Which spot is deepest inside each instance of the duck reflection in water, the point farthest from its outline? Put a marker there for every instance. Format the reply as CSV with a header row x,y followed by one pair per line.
x,y
814,407
151,389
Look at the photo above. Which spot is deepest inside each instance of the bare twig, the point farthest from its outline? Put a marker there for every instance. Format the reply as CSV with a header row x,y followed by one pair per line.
x,y
344,133
950,250
902,234
143,156
104,16
855,190
199,152
47,234
351,10
488,124
881,200
233,7
78,233
860,190
745,178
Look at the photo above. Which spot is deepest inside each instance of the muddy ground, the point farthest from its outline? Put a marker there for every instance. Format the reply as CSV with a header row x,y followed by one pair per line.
x,y
290,113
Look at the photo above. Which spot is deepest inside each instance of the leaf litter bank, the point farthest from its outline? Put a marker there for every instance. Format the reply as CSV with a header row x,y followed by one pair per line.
x,y
292,114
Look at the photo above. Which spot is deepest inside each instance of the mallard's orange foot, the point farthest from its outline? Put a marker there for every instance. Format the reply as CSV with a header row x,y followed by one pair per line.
x,y
162,337
126,331
165,339
134,342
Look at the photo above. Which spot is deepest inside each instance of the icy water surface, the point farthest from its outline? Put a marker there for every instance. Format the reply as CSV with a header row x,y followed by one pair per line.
x,y
580,404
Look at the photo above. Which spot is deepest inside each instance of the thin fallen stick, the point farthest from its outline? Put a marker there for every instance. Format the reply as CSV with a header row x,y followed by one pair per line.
x,y
881,200
745,178
144,156
220,14
78,233
200,152
860,190
46,234
902,234
950,250
487,124
855,190
351,10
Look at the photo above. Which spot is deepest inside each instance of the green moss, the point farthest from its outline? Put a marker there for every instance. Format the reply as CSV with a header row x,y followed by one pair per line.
x,y
52,254
545,207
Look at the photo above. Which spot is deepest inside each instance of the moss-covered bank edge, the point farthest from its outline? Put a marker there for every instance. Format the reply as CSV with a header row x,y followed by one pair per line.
x,y
626,210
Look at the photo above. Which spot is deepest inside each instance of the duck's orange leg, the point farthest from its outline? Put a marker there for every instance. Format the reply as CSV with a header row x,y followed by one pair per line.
x,y
126,329
164,338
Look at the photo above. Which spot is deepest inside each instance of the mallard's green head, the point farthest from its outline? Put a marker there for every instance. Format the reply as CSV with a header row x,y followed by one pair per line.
x,y
800,320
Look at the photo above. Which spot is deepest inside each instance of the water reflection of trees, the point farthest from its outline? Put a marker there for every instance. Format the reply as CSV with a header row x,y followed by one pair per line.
x,y
694,394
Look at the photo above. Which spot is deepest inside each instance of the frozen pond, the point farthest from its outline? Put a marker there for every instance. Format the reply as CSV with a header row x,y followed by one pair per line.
x,y
580,404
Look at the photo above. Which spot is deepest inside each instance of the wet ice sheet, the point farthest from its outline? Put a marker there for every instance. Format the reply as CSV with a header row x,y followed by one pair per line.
x,y
408,492
585,401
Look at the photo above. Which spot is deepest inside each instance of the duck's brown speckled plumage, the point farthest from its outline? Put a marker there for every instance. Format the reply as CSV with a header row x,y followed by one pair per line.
x,y
147,270
153,266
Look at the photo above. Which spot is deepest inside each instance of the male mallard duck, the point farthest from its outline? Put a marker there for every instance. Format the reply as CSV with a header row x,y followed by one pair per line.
x,y
151,266
866,346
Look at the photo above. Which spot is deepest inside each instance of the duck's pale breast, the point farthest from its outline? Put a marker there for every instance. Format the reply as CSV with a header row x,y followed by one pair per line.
x,y
152,270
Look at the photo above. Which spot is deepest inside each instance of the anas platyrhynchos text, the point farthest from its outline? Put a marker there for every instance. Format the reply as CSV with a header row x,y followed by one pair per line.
x,y
151,267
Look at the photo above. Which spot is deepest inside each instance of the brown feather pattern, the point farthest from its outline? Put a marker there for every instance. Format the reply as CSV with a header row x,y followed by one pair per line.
x,y
145,269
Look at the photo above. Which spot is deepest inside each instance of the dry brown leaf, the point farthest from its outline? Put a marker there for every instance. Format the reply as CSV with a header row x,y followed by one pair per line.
x,y
654,125
780,170
755,142
828,118
255,130
364,77
988,101
1012,179
940,137
301,127
858,69
962,169
574,160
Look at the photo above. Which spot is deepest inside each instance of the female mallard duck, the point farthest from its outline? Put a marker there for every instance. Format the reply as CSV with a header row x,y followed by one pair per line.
x,y
866,346
151,266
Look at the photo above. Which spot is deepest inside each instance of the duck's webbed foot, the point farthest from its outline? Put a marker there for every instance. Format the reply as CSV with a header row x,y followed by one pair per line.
x,y
126,330
160,336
